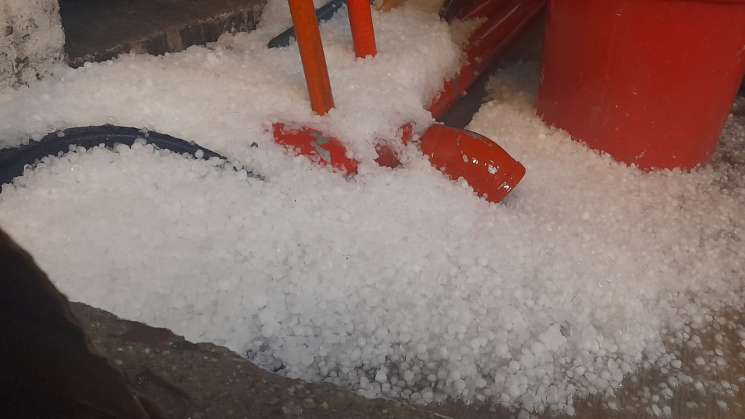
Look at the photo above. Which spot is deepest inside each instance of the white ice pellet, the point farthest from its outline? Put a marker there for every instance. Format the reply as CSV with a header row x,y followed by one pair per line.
x,y
381,376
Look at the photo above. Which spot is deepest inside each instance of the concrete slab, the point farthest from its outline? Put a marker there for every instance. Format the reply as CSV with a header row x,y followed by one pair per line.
x,y
98,31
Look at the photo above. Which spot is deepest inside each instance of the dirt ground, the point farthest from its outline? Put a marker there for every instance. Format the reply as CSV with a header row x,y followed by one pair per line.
x,y
205,381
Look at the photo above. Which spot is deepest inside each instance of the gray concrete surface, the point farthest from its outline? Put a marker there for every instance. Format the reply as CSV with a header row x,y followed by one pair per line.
x,y
101,30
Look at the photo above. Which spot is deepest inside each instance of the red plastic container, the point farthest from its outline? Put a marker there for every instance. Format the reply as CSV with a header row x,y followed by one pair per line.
x,y
651,82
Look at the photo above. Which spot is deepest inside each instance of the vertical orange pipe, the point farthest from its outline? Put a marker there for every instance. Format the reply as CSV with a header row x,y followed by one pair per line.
x,y
363,33
311,53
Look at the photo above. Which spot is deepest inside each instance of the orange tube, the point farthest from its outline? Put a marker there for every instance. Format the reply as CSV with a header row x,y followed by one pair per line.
x,y
311,53
363,33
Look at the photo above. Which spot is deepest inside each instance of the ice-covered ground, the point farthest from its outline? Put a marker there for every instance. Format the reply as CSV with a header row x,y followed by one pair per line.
x,y
32,40
397,283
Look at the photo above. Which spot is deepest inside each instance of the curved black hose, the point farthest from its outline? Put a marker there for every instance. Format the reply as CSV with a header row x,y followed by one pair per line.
x,y
14,160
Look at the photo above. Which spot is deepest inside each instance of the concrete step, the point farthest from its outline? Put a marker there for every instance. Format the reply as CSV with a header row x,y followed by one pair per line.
x,y
100,30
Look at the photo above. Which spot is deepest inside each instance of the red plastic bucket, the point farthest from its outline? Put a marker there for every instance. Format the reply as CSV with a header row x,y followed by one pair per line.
x,y
650,82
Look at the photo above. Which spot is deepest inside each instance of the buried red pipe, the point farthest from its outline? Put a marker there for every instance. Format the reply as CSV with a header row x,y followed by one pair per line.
x,y
307,141
317,146
487,168
321,148
505,19
490,171
484,46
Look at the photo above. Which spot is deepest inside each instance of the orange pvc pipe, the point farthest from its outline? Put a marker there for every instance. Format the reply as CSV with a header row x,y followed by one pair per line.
x,y
311,53
363,33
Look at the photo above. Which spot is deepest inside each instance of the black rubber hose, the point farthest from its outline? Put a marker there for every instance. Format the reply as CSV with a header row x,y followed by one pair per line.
x,y
14,160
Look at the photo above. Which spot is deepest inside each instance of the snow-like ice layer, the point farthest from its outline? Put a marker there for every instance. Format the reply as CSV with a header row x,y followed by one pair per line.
x,y
398,282
225,97
32,40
